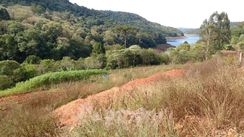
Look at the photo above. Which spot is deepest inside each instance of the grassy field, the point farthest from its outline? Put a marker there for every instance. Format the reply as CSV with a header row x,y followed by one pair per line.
x,y
50,79
208,101
31,115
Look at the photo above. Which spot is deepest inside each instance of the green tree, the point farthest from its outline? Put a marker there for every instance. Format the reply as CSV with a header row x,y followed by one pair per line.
x,y
125,31
216,32
207,29
98,48
8,48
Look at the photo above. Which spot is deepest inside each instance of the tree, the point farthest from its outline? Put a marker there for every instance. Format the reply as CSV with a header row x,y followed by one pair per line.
x,y
98,48
125,30
206,33
8,48
216,32
4,15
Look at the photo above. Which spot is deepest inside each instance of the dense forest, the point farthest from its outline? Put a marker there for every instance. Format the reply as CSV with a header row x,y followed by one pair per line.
x,y
54,29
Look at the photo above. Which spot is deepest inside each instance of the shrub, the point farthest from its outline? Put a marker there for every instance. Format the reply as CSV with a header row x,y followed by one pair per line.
x,y
95,62
49,79
80,64
133,56
7,67
150,57
164,58
47,65
32,59
5,82
66,64
25,72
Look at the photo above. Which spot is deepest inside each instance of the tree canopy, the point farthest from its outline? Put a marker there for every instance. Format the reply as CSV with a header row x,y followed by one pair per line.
x,y
216,31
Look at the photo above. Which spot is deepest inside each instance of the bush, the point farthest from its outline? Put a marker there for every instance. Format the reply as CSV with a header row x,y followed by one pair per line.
x,y
25,72
133,56
66,64
183,57
32,59
8,67
80,64
164,58
5,82
150,57
47,65
49,79
184,53
95,62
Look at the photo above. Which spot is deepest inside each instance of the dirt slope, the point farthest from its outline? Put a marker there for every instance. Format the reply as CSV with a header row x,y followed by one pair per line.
x,y
69,114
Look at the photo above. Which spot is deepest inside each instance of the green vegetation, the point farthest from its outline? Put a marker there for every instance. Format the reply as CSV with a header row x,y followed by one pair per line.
x,y
134,56
49,79
216,32
53,29
112,59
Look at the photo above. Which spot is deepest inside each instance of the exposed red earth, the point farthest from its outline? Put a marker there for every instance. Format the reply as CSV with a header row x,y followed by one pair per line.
x,y
71,113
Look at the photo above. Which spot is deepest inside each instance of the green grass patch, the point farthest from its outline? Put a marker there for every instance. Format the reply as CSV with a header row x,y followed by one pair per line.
x,y
50,79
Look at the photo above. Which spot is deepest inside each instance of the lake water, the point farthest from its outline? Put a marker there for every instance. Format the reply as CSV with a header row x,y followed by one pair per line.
x,y
190,38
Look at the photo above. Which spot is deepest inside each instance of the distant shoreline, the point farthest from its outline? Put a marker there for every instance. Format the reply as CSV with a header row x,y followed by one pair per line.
x,y
181,37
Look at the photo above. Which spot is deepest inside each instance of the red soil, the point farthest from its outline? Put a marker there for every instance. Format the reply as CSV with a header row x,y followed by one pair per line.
x,y
71,113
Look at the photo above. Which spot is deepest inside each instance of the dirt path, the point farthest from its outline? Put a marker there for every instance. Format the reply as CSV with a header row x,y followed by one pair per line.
x,y
71,113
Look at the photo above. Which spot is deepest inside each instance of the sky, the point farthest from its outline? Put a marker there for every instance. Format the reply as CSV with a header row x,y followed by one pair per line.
x,y
174,13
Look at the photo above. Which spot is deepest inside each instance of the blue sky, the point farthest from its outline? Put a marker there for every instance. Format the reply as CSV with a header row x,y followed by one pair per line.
x,y
175,13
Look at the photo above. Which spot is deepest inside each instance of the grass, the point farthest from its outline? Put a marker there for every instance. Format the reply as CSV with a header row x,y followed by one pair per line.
x,y
208,101
50,79
41,104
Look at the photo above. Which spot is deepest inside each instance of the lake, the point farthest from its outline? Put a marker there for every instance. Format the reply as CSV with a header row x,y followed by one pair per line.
x,y
190,38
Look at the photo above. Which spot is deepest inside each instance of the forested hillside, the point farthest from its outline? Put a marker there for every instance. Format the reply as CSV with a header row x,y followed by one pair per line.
x,y
56,28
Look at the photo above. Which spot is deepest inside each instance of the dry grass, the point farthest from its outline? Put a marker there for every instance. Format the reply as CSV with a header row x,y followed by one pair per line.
x,y
208,101
29,113
126,123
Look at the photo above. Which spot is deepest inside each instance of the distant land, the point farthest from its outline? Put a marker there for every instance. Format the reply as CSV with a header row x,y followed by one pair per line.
x,y
190,30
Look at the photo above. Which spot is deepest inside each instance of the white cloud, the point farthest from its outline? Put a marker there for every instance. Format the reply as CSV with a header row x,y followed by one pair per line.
x,y
176,13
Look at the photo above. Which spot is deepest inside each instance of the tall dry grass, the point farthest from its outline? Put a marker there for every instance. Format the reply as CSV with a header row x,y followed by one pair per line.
x,y
30,116
207,101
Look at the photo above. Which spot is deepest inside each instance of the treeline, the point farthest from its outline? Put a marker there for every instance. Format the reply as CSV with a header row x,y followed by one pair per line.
x,y
12,72
107,17
31,30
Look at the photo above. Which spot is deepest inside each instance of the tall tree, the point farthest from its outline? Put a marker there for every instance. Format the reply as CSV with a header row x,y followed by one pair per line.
x,y
216,32
206,33
125,31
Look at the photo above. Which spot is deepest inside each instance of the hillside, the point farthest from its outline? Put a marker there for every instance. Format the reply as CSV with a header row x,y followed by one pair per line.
x,y
115,17
53,29
190,30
